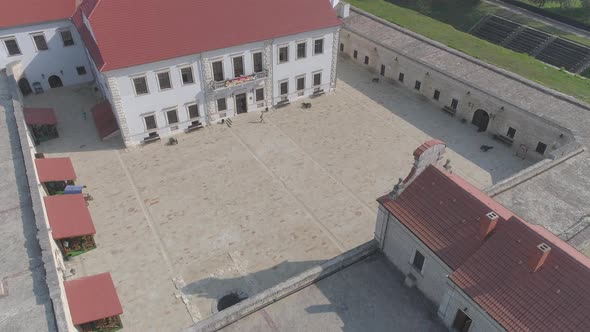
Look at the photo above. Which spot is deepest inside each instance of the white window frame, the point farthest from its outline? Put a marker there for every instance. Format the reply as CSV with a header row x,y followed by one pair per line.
x,y
180,68
162,71
144,116
222,69
313,79
85,70
40,33
412,261
297,83
188,113
255,95
323,46
262,59
279,53
297,57
166,110
233,65
62,38
4,39
217,104
132,78
280,83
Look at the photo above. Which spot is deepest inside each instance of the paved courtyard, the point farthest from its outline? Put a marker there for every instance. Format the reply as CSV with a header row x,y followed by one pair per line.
x,y
180,226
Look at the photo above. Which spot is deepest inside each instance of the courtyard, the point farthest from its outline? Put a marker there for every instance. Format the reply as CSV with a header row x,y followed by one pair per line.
x,y
241,209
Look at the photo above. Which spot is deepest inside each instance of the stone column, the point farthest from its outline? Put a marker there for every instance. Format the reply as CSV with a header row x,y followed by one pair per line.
x,y
335,48
267,56
118,109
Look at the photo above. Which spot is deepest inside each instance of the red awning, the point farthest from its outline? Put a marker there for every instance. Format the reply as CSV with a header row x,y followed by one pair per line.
x,y
40,116
104,119
68,216
55,169
92,298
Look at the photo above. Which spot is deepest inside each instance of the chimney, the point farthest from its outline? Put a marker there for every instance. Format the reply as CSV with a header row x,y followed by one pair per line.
x,y
342,8
487,224
539,256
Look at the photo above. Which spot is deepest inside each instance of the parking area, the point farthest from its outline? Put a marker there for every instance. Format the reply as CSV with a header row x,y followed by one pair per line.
x,y
180,226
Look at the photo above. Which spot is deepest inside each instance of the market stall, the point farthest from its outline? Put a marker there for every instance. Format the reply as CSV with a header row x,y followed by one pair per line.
x,y
94,304
55,174
71,223
42,123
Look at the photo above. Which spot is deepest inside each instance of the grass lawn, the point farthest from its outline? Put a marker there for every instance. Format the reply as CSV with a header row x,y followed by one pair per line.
x,y
520,64
575,11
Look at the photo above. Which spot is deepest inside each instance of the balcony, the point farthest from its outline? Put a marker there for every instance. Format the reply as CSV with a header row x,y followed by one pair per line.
x,y
237,81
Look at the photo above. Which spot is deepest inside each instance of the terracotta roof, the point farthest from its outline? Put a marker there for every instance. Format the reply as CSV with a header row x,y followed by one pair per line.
x,y
39,116
24,12
68,216
55,169
426,145
92,298
443,211
134,32
497,277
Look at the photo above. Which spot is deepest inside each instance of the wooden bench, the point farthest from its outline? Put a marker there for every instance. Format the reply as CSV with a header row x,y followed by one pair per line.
x,y
195,125
318,93
282,103
151,138
504,139
449,110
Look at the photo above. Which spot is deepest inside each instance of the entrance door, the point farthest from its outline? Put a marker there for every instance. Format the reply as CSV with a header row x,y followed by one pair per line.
x,y
241,103
55,81
24,86
481,120
462,322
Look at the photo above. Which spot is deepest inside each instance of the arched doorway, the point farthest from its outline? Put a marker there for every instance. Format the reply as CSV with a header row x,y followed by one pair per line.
x,y
24,86
481,119
55,81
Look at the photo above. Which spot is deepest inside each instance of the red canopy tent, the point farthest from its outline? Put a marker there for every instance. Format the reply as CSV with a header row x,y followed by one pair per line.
x,y
92,298
55,169
40,116
68,216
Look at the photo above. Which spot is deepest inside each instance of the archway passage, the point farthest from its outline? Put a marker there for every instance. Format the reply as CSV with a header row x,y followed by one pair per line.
x,y
55,81
481,119
24,86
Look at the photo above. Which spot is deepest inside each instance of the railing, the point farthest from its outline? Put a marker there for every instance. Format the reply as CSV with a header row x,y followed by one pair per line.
x,y
213,85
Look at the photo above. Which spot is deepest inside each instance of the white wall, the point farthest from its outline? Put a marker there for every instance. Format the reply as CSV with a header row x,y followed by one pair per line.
x,y
306,66
156,101
58,60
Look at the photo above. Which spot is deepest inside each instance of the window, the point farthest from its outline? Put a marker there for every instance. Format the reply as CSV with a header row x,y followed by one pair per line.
x,y
40,42
140,84
150,122
382,71
260,94
284,88
221,104
66,37
436,95
454,103
418,261
355,54
341,47
257,59
238,66
318,46
462,322
187,75
218,71
301,50
417,85
172,116
511,132
541,147
164,80
366,60
283,54
193,111
301,83
317,79
12,46
81,70
401,77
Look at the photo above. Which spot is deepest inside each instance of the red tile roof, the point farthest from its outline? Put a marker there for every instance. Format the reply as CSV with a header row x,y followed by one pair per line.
x,y
92,298
443,211
134,32
497,277
24,12
68,216
39,116
55,169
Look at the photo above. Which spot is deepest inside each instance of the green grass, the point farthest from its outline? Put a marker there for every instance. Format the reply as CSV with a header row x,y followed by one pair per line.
x,y
520,64
575,11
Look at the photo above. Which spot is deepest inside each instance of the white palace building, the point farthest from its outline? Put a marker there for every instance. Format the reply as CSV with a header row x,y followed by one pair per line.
x,y
169,66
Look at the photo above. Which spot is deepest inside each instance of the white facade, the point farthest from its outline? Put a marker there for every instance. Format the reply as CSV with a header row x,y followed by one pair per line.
x,y
63,58
137,112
